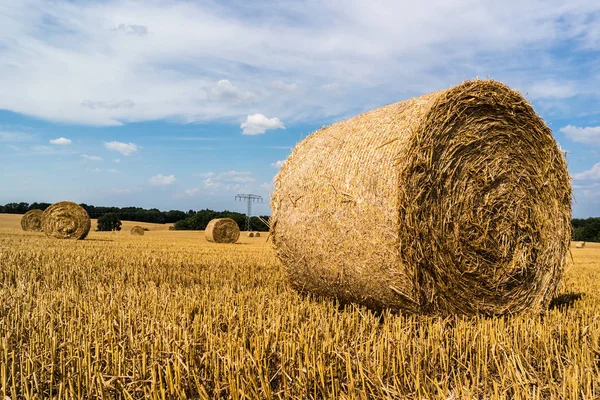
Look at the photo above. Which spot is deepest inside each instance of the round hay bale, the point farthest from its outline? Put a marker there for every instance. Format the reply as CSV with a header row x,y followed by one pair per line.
x,y
257,234
137,230
66,220
250,234
458,201
222,230
32,221
580,245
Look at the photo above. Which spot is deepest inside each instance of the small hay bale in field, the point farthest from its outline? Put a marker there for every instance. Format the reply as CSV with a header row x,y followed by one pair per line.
x,y
137,230
66,220
32,221
250,234
222,230
458,201
580,245
257,234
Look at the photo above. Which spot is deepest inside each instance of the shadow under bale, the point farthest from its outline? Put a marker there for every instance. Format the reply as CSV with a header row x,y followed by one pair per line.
x,y
565,300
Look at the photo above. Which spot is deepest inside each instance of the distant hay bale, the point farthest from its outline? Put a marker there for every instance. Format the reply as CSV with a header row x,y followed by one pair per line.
x,y
580,245
32,221
257,234
66,220
222,230
250,234
137,230
458,201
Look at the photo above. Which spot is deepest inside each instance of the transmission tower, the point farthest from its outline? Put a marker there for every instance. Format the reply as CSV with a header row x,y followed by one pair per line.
x,y
250,198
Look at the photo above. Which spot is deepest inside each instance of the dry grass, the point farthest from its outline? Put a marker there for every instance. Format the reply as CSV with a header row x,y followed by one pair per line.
x,y
170,315
457,201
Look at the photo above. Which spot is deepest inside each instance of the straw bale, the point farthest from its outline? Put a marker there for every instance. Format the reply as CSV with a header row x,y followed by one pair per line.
x,y
250,234
458,201
32,221
257,234
580,245
137,230
222,230
66,220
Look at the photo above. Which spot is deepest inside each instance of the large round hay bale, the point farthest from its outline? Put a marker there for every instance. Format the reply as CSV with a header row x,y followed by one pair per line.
x,y
250,234
137,230
66,220
458,201
32,221
257,234
222,230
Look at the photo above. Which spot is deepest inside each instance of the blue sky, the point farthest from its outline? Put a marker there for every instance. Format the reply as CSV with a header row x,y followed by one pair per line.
x,y
183,104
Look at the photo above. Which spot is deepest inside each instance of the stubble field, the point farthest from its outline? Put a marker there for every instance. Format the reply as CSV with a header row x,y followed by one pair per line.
x,y
169,315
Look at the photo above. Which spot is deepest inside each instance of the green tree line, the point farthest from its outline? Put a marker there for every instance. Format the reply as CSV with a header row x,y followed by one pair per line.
x,y
191,220
587,230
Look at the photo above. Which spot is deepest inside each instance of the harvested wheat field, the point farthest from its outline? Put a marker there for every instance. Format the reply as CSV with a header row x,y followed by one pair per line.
x,y
170,315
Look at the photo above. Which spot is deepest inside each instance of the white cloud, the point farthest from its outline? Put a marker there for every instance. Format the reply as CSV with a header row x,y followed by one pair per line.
x,y
287,87
161,180
551,89
123,148
15,137
187,193
225,91
278,164
228,181
586,135
257,124
591,174
198,61
229,176
267,186
131,29
91,158
60,140
117,160
332,88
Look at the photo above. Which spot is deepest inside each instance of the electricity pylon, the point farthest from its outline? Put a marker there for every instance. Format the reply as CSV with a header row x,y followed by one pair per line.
x,y
250,198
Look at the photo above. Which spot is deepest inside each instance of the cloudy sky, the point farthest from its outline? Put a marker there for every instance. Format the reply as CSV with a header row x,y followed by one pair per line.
x,y
183,104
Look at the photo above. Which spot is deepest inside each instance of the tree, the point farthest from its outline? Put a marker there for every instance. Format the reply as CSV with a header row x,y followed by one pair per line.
x,y
109,222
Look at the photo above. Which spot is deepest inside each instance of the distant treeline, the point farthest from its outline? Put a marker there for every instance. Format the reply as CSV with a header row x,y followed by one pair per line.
x,y
587,230
200,219
183,220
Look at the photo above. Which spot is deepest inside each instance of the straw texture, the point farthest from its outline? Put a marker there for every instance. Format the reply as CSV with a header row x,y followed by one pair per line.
x,y
66,220
32,221
458,201
137,230
222,230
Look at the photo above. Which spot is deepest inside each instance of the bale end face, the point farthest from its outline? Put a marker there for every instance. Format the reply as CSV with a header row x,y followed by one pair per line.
x,y
66,220
257,234
32,221
222,230
250,234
